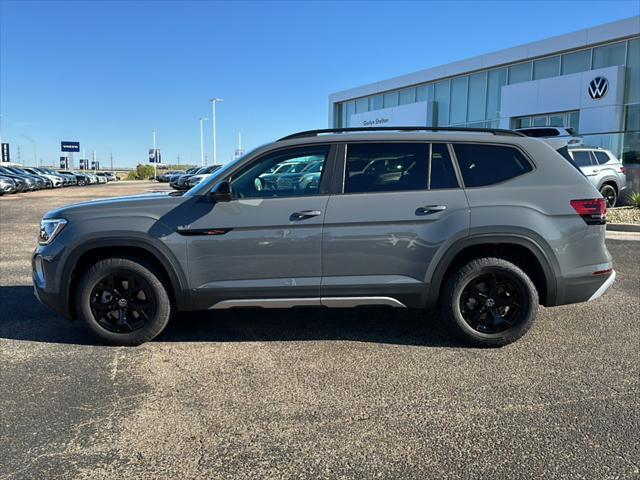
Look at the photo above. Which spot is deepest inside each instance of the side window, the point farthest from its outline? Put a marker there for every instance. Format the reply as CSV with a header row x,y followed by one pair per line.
x,y
285,173
442,173
483,165
601,157
582,158
386,167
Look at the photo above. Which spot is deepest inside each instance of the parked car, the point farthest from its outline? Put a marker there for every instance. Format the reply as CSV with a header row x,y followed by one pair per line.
x,y
484,225
81,179
178,181
56,180
35,182
7,185
24,184
604,171
166,176
201,175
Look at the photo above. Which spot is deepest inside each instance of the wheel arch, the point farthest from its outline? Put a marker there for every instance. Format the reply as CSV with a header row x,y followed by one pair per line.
x,y
159,257
528,254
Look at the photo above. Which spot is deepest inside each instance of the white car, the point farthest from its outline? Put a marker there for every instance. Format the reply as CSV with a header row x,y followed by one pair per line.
x,y
55,179
604,171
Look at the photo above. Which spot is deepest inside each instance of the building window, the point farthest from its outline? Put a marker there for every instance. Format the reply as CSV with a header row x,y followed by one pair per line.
x,y
520,73
609,55
362,105
576,62
560,119
477,97
408,95
376,102
442,102
424,93
390,99
546,67
633,71
459,88
351,109
497,79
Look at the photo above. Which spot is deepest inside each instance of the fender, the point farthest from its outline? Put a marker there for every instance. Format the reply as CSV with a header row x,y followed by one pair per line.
x,y
609,178
539,248
163,254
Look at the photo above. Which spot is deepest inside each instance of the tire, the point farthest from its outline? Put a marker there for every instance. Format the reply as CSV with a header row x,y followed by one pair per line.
x,y
470,300
610,195
147,307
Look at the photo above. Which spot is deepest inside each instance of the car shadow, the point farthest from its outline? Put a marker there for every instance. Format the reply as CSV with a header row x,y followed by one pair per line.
x,y
24,318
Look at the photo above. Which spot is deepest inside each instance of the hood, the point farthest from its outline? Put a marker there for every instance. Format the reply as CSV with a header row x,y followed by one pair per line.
x,y
149,204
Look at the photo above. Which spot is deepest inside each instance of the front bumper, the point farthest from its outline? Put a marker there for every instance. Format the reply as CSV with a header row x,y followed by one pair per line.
x,y
47,287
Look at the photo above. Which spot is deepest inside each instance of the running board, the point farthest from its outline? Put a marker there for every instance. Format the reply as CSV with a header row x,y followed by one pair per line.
x,y
331,302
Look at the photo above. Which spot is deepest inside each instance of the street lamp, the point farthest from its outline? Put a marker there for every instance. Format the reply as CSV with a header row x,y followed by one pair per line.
x,y
202,119
155,155
213,101
33,143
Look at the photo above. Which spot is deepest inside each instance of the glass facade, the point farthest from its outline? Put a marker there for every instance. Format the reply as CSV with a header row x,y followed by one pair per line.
x,y
473,100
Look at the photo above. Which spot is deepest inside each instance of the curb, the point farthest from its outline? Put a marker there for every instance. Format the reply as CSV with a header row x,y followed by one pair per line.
x,y
623,227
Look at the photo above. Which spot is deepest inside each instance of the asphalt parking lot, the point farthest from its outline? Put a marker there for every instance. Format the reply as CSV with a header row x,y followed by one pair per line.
x,y
312,393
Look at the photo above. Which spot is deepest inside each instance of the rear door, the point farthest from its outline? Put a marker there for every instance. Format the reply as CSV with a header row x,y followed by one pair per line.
x,y
397,203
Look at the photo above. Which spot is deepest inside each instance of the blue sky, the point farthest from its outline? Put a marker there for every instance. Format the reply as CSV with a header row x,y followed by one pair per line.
x,y
107,73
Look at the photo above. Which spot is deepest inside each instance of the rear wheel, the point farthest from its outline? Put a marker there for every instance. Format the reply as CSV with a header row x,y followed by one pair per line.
x,y
489,302
123,301
610,195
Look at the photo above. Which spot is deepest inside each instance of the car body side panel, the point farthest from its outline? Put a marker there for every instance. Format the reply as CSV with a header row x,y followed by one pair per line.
x,y
378,244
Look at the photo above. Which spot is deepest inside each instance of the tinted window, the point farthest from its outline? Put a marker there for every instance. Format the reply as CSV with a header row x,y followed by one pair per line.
x,y
442,173
387,167
488,164
282,174
601,157
582,158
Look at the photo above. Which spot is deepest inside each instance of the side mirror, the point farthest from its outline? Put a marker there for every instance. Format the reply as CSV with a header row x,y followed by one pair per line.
x,y
221,192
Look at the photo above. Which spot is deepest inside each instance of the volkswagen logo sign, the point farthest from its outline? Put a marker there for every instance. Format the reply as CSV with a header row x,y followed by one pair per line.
x,y
598,88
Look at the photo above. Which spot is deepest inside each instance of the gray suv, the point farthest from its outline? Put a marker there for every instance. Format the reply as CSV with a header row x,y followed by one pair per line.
x,y
484,224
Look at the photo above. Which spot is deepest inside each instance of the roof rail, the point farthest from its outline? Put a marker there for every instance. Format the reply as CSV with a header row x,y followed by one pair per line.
x,y
315,133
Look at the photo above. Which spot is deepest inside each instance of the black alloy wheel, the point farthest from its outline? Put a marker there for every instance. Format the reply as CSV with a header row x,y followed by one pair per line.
x,y
492,303
122,302
610,195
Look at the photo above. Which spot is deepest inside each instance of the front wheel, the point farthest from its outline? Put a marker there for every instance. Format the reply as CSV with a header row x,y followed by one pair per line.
x,y
610,195
489,302
123,301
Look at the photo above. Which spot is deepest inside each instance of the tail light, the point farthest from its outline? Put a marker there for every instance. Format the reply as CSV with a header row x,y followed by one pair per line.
x,y
593,210
623,170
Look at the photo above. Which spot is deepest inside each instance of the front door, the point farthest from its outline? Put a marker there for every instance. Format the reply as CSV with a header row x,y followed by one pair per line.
x,y
265,244
400,203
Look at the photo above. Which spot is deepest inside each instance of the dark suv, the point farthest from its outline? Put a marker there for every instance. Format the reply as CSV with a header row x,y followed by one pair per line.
x,y
484,224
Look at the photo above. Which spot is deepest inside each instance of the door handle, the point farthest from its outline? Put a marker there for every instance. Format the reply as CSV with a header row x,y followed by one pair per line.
x,y
429,209
303,214
596,171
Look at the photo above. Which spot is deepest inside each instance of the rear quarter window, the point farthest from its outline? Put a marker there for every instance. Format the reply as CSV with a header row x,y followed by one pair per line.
x,y
601,157
582,158
483,165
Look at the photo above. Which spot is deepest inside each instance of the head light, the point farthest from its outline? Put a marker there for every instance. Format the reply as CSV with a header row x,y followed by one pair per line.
x,y
49,229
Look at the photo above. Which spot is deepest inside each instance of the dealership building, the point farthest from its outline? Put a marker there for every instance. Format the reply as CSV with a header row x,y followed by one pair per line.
x,y
588,80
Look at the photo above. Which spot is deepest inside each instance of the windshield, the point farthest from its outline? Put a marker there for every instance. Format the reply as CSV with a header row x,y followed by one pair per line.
x,y
203,186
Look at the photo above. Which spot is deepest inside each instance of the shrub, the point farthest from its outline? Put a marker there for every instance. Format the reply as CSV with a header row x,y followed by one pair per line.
x,y
634,199
142,172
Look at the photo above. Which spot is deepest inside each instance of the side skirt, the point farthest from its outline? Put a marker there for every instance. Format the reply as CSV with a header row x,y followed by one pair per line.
x,y
331,302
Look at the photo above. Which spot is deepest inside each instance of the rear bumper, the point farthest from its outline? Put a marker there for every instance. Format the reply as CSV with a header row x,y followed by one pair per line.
x,y
604,287
583,289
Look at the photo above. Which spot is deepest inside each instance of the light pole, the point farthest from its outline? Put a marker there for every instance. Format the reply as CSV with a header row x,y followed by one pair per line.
x,y
33,143
155,155
202,119
213,101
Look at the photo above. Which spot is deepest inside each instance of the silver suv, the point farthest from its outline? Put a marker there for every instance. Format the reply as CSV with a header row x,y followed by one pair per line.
x,y
484,224
603,170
